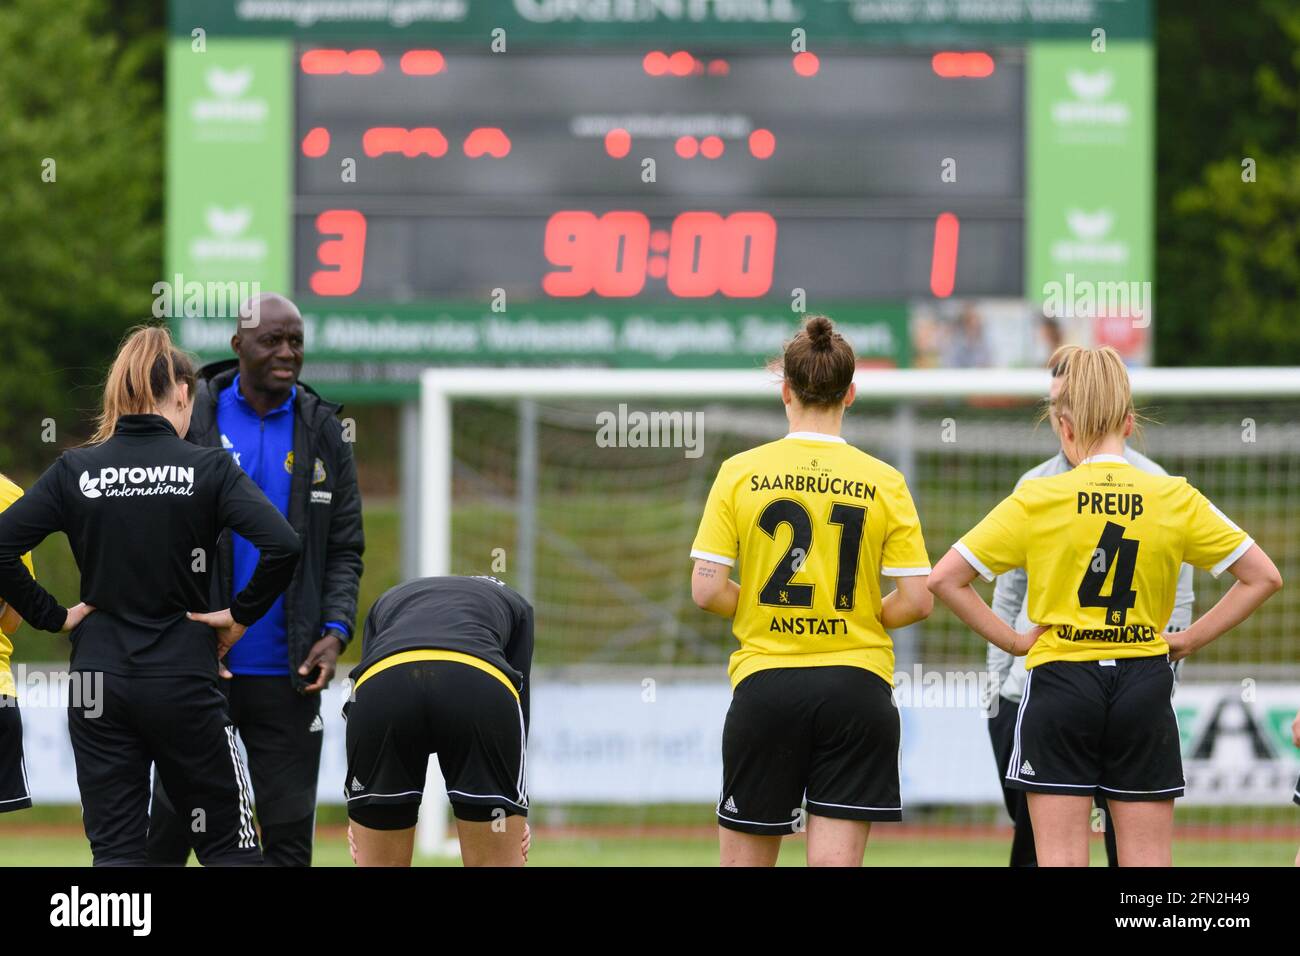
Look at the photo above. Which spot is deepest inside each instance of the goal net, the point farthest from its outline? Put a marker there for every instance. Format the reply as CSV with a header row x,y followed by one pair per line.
x,y
583,488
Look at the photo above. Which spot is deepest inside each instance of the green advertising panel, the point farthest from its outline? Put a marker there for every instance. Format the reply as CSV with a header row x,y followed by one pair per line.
x,y
1090,188
376,352
229,141
824,21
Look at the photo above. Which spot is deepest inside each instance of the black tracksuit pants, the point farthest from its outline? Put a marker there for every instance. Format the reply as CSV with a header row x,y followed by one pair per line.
x,y
281,731
179,725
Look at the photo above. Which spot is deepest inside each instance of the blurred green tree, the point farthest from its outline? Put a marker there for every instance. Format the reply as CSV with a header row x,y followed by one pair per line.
x,y
80,210
1228,251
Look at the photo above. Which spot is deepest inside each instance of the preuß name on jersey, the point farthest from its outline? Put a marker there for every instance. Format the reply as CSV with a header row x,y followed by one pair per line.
x,y
813,484
1124,503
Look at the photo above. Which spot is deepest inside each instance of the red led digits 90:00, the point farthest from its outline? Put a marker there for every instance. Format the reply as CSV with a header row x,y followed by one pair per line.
x,y
706,254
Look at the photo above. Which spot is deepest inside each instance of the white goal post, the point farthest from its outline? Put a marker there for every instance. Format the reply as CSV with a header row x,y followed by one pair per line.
x,y
441,387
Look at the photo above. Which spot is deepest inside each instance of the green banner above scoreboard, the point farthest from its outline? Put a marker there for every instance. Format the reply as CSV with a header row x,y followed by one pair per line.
x,y
824,21
376,352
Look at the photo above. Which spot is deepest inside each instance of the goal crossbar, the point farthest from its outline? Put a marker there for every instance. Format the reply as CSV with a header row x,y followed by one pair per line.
x,y
890,384
440,386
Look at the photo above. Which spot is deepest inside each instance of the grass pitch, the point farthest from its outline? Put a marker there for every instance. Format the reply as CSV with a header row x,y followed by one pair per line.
x,y
63,845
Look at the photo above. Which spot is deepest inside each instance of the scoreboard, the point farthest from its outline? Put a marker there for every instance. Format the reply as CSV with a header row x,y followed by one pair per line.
x,y
671,188
525,173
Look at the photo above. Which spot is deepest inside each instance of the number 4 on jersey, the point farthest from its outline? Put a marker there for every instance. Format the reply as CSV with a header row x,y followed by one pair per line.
x,y
1113,550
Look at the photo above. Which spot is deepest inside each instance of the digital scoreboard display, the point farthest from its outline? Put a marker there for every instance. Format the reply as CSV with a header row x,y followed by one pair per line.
x,y
663,185
657,175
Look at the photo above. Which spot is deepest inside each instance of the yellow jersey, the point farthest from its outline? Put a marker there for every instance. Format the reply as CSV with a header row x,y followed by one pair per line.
x,y
9,493
1102,545
810,523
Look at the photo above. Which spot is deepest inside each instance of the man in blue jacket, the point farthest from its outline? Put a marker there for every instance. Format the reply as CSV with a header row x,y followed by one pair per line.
x,y
291,443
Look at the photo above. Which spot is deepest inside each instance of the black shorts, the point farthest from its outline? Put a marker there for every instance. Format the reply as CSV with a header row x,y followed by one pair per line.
x,y
1090,727
829,735
401,715
14,792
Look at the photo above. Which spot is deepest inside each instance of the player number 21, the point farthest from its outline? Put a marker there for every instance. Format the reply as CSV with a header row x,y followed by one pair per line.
x,y
779,589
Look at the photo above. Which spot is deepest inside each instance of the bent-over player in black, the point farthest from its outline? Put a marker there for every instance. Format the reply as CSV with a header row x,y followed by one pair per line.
x,y
444,669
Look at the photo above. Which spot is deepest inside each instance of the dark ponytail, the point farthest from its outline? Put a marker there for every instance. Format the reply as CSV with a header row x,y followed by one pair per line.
x,y
818,363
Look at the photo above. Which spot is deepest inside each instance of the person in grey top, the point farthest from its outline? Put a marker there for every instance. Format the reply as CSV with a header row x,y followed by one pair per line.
x,y
1007,674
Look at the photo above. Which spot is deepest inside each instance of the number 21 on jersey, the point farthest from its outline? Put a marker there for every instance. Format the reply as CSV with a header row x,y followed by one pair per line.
x,y
781,590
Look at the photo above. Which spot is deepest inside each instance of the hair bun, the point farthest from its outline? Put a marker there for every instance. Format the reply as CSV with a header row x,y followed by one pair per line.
x,y
820,331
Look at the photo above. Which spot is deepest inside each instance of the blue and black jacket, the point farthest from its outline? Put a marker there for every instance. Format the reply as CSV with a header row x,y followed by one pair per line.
x,y
324,510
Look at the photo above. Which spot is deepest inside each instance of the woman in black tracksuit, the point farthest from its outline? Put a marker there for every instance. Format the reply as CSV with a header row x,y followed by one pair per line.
x,y
142,510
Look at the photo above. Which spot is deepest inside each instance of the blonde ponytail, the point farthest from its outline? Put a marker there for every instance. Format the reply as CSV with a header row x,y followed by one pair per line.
x,y
1095,394
148,367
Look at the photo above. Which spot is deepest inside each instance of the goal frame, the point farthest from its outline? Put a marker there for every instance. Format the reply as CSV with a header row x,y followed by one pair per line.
x,y
441,386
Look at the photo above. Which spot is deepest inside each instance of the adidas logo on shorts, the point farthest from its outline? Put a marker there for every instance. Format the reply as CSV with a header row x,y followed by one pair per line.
x,y
316,725
730,806
1026,770
356,785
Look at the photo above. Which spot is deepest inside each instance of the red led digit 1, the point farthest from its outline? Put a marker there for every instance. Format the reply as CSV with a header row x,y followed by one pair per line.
x,y
695,254
749,249
572,240
943,264
624,242
347,253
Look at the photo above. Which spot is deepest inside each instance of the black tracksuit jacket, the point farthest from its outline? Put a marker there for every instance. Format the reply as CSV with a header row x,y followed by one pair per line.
x,y
479,616
324,509
143,512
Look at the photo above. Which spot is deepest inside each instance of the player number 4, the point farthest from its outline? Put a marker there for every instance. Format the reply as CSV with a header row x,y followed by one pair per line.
x,y
1112,550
